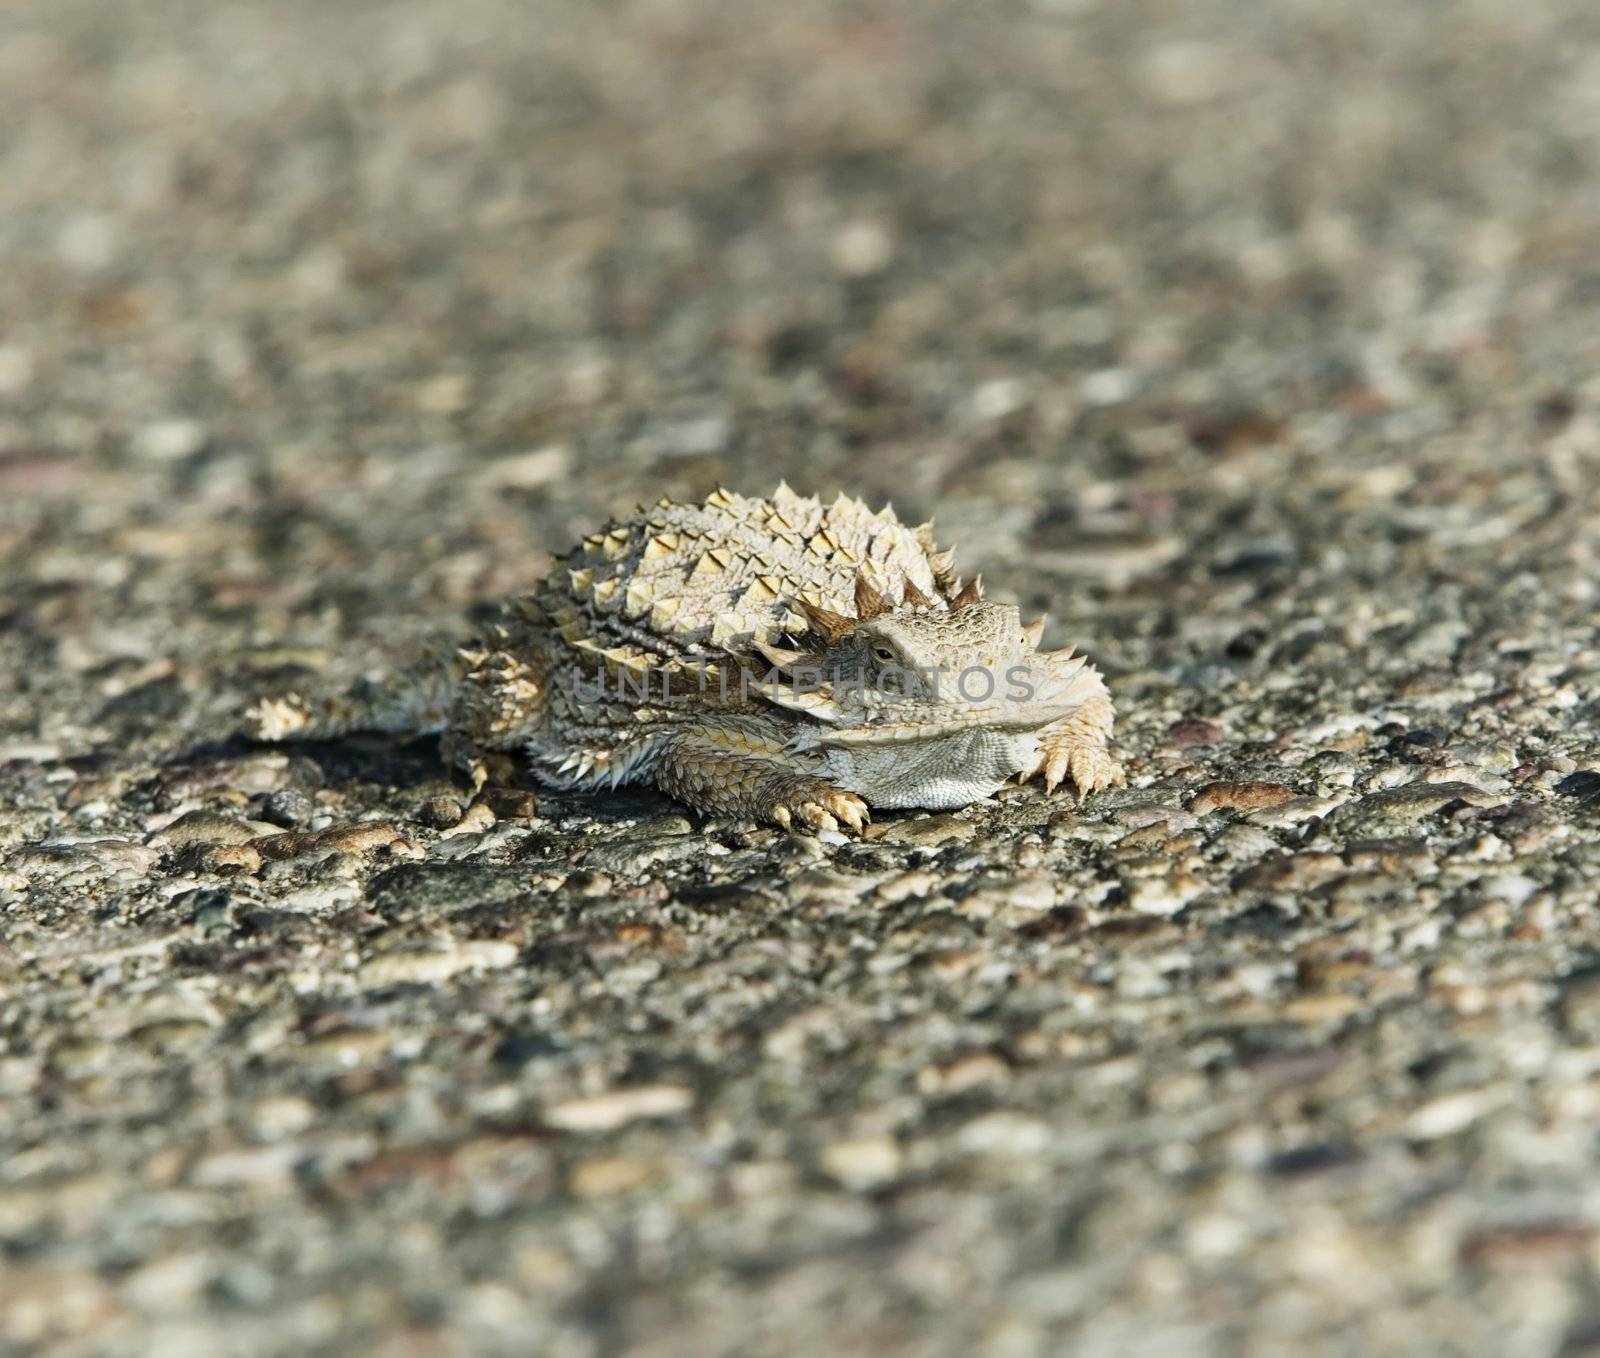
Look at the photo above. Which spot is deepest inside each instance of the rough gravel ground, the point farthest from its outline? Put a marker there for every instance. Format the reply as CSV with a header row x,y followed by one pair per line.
x,y
1256,341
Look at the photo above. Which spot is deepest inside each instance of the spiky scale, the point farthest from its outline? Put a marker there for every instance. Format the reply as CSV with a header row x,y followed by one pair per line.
x,y
527,609
756,595
707,566
640,595
726,628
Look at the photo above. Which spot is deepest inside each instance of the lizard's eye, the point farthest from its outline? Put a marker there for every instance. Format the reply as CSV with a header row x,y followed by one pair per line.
x,y
883,653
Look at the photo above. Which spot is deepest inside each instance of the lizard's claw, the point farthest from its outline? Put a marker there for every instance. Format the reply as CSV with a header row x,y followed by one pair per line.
x,y
1088,766
491,768
821,808
476,766
278,718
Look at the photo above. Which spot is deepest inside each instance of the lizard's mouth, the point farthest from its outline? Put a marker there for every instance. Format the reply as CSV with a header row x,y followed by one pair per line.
x,y
1020,700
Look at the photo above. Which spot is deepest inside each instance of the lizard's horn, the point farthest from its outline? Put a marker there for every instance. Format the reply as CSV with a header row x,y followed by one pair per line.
x,y
830,626
779,657
910,594
869,603
969,593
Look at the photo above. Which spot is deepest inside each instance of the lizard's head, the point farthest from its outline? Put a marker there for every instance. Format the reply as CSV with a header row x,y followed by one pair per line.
x,y
925,703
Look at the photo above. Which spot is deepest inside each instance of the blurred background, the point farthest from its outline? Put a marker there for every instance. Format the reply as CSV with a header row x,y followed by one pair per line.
x,y
322,321
1257,341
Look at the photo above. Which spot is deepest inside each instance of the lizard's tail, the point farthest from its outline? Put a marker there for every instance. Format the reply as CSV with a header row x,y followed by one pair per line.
x,y
414,703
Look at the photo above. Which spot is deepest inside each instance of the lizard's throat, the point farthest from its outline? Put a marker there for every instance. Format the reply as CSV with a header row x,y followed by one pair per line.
x,y
937,774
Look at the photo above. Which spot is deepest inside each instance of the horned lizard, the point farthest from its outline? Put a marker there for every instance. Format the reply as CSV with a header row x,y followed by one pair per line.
x,y
770,658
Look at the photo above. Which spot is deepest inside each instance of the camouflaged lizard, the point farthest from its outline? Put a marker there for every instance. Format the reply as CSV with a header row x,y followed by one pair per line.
x,y
770,658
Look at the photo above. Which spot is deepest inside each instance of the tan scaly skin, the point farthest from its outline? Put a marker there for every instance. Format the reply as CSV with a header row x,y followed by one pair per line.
x,y
776,659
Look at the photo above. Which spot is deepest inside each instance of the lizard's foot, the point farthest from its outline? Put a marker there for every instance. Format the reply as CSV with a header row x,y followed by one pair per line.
x,y
1090,767
476,766
486,769
742,768
818,806
1075,747
278,718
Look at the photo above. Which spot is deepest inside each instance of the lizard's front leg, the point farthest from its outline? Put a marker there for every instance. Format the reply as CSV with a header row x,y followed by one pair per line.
x,y
1075,746
499,705
739,767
